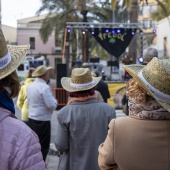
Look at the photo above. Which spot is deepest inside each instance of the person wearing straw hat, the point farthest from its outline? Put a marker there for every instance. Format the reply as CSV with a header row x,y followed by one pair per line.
x,y
141,140
20,148
41,104
82,124
22,97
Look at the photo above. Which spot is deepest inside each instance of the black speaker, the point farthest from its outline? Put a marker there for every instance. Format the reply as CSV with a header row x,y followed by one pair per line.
x,y
94,60
113,63
61,72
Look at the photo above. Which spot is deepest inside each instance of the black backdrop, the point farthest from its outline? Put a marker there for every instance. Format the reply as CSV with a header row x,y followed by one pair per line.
x,y
114,41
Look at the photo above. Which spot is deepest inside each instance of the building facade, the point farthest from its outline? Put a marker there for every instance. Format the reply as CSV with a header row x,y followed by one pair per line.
x,y
28,33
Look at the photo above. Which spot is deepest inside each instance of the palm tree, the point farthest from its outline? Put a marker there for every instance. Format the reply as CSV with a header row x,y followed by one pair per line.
x,y
64,11
163,10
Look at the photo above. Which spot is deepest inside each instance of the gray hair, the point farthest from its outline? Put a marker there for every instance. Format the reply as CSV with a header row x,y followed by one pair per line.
x,y
149,53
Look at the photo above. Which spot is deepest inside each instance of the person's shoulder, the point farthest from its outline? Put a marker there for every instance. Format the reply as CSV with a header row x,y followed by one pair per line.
x,y
15,129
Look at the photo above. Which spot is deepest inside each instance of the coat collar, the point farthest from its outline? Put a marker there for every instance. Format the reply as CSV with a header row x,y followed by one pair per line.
x,y
4,113
84,102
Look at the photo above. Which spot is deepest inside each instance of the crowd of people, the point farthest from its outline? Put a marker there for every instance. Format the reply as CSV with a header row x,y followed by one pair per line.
x,y
88,134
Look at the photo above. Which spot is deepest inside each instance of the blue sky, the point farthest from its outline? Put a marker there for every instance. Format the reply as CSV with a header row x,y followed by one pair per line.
x,y
12,10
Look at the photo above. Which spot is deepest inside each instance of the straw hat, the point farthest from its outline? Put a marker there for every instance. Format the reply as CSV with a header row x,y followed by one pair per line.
x,y
81,79
10,56
40,70
154,78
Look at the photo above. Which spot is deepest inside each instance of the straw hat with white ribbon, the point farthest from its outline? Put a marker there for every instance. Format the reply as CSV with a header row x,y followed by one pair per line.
x,y
40,70
81,80
154,78
10,56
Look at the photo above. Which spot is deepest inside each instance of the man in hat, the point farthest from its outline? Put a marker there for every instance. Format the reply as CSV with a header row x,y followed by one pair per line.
x,y
102,87
41,104
83,123
20,148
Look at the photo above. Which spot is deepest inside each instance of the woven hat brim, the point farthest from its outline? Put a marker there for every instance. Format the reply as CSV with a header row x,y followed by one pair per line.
x,y
134,70
65,82
36,74
18,54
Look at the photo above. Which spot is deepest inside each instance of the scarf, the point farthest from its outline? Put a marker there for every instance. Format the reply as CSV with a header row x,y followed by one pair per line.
x,y
150,110
6,102
81,99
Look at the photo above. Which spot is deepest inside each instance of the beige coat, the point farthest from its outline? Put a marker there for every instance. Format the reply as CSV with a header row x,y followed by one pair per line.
x,y
135,144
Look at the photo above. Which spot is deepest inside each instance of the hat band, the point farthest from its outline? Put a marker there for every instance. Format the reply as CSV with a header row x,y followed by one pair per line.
x,y
5,60
157,94
81,86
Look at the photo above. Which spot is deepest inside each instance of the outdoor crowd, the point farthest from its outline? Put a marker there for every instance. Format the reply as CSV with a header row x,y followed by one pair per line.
x,y
88,136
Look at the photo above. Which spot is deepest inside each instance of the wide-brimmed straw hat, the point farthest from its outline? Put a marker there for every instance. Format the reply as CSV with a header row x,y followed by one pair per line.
x,y
10,56
40,70
81,80
154,78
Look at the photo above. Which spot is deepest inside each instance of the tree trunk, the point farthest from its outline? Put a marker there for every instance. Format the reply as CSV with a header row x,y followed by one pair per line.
x,y
133,19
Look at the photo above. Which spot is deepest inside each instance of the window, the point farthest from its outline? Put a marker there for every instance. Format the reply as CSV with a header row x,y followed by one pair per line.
x,y
21,67
152,23
153,8
32,43
165,46
146,23
146,10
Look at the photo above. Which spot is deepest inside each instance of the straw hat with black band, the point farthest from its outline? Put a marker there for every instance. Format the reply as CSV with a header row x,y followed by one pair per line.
x,y
81,80
154,78
10,56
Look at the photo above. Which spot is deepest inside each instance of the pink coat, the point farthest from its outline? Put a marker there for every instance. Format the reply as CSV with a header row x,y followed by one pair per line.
x,y
19,145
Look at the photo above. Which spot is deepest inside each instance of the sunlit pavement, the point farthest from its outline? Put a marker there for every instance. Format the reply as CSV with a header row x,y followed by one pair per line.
x,y
52,158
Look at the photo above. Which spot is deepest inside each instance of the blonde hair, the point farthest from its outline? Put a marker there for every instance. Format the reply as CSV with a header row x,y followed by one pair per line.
x,y
29,74
135,92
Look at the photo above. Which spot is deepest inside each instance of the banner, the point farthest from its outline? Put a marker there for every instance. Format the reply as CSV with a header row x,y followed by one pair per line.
x,y
116,90
114,41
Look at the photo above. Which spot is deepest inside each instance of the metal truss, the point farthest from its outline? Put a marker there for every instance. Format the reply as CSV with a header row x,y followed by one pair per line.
x,y
92,25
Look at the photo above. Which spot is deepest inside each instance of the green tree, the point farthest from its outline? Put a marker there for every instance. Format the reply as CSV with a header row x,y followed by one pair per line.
x,y
162,11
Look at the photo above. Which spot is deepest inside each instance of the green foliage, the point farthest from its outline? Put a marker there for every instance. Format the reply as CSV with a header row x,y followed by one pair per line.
x,y
163,10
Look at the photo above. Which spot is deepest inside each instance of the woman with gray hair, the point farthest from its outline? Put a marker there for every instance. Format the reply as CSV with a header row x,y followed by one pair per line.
x,y
149,53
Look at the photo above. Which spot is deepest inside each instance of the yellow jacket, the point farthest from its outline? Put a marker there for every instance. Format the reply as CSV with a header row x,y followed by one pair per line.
x,y
22,99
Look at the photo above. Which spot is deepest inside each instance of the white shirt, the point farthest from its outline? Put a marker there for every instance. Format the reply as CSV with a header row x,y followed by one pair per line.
x,y
41,101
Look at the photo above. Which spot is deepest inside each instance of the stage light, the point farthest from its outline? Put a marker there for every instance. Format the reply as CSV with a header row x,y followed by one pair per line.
x,y
83,32
68,30
92,32
133,32
118,31
140,59
107,31
113,31
154,31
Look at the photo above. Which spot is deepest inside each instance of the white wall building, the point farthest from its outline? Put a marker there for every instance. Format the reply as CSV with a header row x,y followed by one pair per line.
x,y
163,38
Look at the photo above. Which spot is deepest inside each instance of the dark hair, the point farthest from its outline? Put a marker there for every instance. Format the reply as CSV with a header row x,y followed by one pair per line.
x,y
85,93
29,74
12,82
